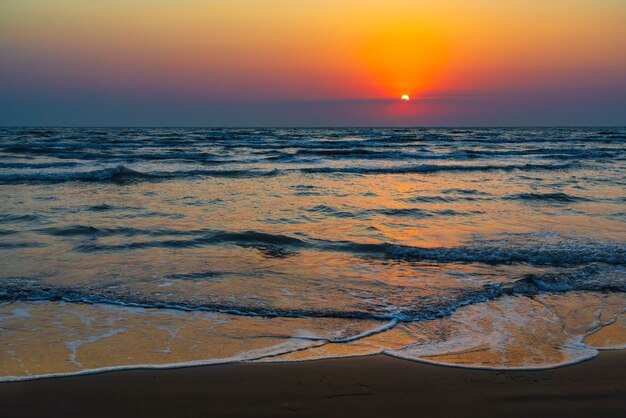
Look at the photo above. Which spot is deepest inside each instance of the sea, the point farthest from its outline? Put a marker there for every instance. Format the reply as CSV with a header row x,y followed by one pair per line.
x,y
496,248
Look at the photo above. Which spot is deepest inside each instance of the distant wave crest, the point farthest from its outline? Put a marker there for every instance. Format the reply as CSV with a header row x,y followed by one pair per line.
x,y
123,174
434,168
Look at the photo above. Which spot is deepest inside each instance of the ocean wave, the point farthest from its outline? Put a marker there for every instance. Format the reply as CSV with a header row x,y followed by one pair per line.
x,y
17,245
38,165
472,192
20,289
103,207
443,199
256,237
547,197
527,249
115,174
271,245
418,213
432,168
340,152
588,278
398,152
91,231
122,174
549,153
563,253
13,218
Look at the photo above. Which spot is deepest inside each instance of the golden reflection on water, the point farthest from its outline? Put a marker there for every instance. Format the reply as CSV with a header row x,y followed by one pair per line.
x,y
268,204
355,211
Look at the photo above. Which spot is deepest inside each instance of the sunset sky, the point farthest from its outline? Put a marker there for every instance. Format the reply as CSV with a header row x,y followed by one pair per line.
x,y
310,63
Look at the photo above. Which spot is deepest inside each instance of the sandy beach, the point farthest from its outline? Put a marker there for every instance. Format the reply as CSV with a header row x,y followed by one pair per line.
x,y
373,386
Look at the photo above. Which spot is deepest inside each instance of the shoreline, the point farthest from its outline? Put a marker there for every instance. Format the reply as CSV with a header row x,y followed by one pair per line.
x,y
377,385
260,360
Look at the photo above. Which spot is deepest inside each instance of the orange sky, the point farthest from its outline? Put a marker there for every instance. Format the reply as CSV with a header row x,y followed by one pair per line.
x,y
252,51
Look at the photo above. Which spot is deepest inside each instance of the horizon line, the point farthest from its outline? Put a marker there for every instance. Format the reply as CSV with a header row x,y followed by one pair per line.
x,y
2,126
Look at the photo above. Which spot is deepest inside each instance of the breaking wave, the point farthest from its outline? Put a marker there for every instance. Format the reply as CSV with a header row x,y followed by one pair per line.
x,y
588,278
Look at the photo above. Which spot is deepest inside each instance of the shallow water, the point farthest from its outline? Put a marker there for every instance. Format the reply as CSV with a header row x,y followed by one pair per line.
x,y
499,248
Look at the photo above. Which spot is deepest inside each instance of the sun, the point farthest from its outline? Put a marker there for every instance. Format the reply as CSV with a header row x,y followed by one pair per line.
x,y
405,97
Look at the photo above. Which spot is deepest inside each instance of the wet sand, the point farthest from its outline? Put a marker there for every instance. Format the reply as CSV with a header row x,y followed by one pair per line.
x,y
376,386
